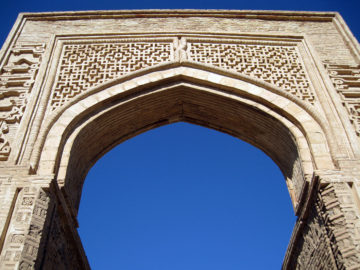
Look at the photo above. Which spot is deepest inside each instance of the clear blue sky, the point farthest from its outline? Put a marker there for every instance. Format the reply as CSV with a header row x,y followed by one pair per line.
x,y
182,197
186,197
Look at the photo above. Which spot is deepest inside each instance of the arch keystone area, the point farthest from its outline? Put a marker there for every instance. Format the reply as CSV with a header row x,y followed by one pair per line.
x,y
67,99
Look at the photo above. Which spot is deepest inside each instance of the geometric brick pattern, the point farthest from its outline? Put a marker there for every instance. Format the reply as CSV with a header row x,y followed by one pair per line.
x,y
83,66
339,213
277,65
87,65
25,229
346,80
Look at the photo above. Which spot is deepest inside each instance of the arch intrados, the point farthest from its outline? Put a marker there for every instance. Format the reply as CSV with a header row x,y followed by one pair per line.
x,y
171,118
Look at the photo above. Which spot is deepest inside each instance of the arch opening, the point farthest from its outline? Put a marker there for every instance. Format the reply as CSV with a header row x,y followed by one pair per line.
x,y
203,217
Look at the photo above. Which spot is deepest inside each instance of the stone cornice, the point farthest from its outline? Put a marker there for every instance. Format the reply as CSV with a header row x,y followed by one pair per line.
x,y
246,14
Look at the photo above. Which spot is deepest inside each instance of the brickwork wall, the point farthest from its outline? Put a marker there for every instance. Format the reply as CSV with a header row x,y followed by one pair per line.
x,y
329,227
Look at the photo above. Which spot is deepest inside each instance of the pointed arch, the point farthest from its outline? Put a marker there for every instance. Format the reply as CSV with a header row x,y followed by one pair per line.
x,y
291,132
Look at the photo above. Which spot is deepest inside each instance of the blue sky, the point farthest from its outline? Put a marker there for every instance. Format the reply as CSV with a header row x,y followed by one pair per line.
x,y
182,196
10,8
186,197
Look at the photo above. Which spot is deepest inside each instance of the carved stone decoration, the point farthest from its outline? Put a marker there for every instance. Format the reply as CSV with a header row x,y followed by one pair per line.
x,y
180,49
17,77
87,65
25,230
346,80
4,143
277,65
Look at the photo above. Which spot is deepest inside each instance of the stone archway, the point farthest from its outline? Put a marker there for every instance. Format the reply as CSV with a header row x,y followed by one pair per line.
x,y
177,99
70,97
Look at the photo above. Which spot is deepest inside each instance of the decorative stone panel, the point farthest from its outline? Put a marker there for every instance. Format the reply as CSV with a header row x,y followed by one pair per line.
x,y
346,80
25,232
86,64
277,65
17,77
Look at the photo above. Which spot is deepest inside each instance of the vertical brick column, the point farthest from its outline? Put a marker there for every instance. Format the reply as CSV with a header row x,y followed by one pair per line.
x,y
7,201
341,216
24,240
38,234
327,232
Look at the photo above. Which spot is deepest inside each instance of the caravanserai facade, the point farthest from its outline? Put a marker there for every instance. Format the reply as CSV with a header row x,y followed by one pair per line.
x,y
75,84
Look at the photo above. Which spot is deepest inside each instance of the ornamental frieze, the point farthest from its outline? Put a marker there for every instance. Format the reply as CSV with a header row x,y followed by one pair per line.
x,y
86,64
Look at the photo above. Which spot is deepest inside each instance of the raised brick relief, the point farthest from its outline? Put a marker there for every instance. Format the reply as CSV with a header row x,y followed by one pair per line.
x,y
343,223
83,66
17,77
25,229
330,228
346,80
277,65
314,240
